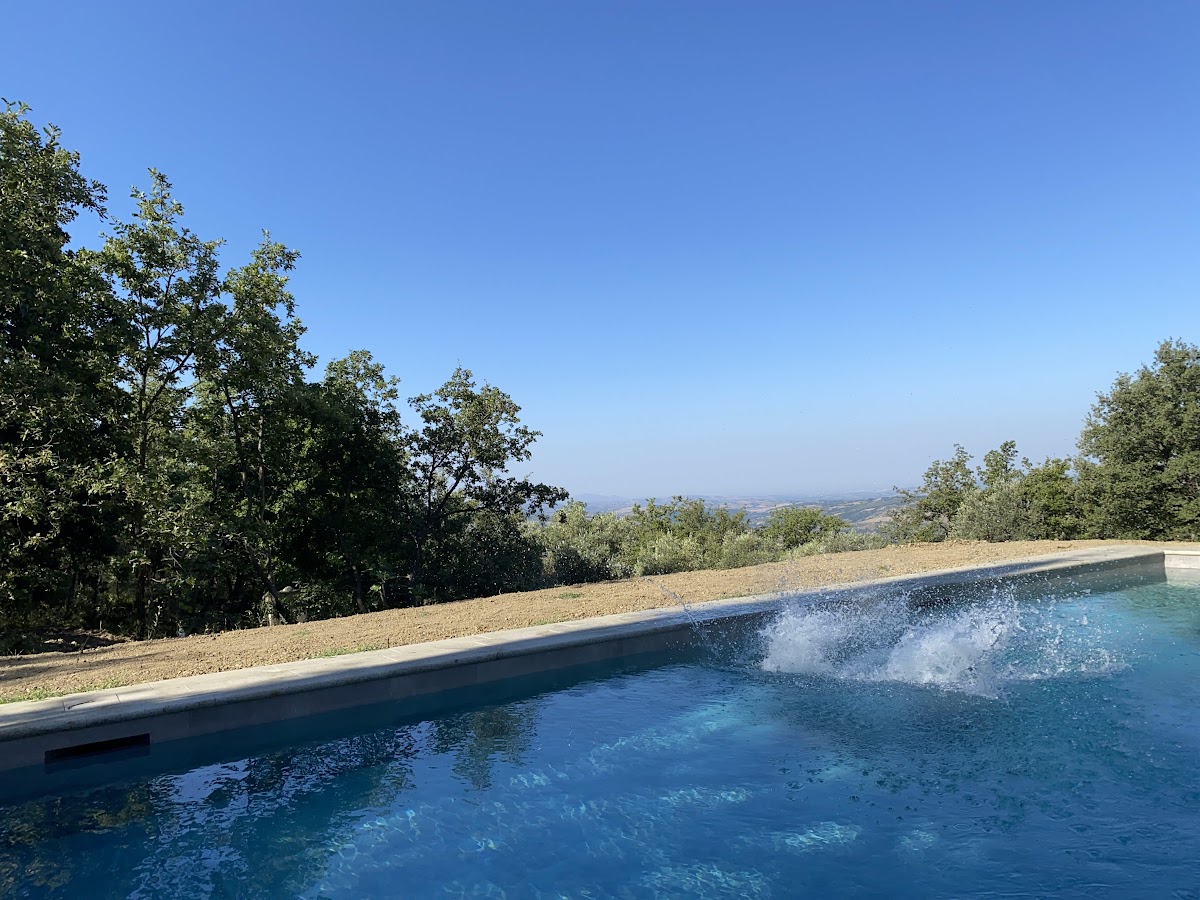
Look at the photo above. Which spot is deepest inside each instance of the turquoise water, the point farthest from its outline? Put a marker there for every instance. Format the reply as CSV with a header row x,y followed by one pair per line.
x,y
1005,748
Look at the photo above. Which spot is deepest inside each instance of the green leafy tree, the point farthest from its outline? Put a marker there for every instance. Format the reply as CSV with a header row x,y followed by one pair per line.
x,y
997,513
998,510
249,410
929,511
345,508
494,552
165,463
60,405
687,534
1002,500
459,459
579,548
1000,467
791,526
1054,502
1140,467
167,283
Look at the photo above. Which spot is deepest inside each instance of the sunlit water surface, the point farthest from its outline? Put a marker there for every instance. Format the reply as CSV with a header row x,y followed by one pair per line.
x,y
1005,748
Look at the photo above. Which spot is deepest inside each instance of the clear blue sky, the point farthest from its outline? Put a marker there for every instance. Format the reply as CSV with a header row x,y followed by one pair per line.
x,y
708,247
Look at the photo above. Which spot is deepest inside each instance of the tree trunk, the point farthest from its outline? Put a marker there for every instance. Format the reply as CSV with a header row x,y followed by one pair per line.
x,y
358,589
141,603
272,611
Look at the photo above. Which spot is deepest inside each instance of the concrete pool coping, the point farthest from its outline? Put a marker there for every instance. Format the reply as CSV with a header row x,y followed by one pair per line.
x,y
33,733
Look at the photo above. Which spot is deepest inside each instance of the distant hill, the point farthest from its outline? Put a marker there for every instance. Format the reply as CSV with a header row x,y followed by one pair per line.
x,y
602,503
868,515
865,511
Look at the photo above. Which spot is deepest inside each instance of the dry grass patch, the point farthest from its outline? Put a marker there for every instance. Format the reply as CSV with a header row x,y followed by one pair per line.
x,y
51,674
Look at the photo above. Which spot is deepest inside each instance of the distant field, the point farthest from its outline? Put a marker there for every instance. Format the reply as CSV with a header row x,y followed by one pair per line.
x,y
865,514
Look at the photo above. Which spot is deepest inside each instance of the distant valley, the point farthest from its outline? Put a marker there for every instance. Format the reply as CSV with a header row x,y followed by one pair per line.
x,y
865,511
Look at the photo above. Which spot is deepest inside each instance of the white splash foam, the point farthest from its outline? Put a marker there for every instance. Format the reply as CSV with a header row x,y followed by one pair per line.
x,y
973,649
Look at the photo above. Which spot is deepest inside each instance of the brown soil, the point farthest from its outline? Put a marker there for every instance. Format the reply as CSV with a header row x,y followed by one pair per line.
x,y
51,674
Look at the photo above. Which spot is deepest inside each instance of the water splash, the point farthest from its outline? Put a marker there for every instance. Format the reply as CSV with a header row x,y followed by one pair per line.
x,y
975,649
698,627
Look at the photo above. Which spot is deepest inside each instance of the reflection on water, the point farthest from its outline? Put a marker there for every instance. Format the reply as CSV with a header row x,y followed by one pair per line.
x,y
477,739
1010,747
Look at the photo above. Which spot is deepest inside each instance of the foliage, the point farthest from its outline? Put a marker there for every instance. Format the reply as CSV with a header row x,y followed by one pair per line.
x,y
1002,500
580,549
459,458
930,510
1140,468
1019,503
746,549
346,505
660,538
165,463
997,513
1054,500
60,405
166,285
679,536
791,526
840,542
1137,476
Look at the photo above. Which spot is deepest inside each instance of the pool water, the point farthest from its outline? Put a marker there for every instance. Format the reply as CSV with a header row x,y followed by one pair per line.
x,y
1002,748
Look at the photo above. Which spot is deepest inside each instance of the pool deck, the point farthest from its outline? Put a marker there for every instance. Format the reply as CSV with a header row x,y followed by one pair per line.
x,y
80,726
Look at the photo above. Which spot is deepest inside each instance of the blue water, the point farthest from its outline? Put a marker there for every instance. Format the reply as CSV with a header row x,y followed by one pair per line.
x,y
1002,748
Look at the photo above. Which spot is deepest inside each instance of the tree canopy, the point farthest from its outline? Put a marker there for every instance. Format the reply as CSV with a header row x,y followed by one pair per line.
x,y
1140,446
166,462
1137,474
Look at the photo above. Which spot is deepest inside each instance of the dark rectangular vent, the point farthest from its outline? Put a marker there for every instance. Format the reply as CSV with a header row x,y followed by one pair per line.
x,y
80,754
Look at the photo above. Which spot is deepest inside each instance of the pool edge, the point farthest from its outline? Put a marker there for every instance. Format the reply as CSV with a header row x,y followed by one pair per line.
x,y
31,732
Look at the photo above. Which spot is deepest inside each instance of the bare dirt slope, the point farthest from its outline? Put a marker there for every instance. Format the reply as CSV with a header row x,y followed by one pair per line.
x,y
49,674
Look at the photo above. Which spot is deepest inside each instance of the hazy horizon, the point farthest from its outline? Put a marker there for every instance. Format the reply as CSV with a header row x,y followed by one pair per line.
x,y
696,468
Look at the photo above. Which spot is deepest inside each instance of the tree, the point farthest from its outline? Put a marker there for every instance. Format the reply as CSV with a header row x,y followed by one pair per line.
x,y
345,516
580,548
1000,467
1140,467
791,526
459,459
165,463
60,405
687,534
252,382
997,513
1052,495
998,509
493,552
166,282
1002,501
928,513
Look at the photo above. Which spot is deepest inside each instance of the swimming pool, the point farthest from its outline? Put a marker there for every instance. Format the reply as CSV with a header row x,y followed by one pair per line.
x,y
1002,746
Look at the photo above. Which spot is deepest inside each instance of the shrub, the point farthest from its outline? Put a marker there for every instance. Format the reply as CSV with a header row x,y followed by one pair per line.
x,y
791,526
668,553
748,549
315,600
1001,513
841,542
